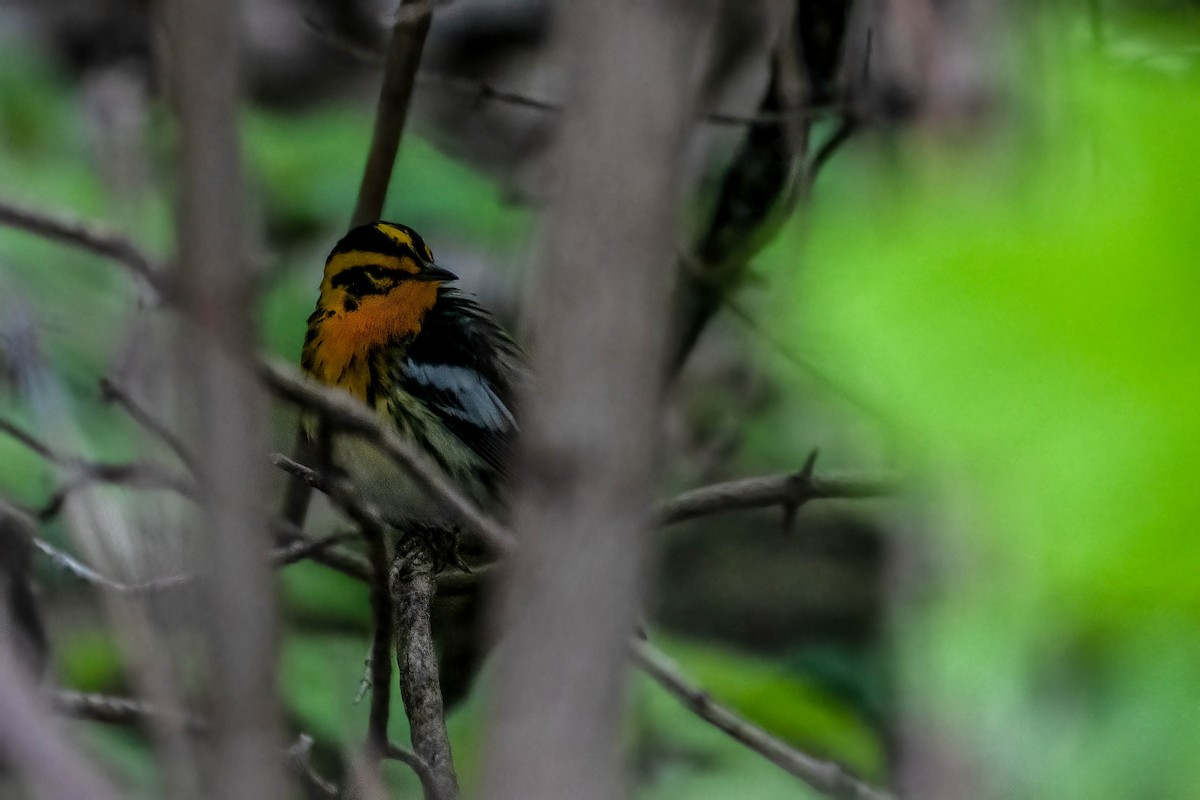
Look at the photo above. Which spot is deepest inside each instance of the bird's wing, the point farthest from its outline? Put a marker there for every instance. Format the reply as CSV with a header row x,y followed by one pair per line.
x,y
462,367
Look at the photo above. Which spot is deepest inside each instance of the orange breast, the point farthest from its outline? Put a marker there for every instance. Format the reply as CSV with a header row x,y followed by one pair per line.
x,y
339,353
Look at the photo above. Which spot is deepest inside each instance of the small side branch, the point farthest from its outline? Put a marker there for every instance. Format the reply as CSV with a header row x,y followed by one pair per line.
x,y
112,393
86,236
826,777
113,710
417,765
381,643
412,589
132,713
789,490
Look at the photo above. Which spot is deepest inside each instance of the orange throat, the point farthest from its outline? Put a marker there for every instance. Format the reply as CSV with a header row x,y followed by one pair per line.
x,y
344,337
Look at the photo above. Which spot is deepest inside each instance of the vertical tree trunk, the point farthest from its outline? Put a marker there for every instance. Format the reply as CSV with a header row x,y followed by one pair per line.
x,y
587,466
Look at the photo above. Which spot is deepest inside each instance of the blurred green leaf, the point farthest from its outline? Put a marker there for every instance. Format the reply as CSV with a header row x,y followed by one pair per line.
x,y
1024,312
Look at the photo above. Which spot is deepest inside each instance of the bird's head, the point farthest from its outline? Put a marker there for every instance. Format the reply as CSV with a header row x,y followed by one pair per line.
x,y
382,268
380,282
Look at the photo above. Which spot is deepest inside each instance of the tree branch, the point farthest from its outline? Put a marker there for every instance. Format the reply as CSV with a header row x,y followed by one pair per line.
x,y
827,777
89,237
413,588
113,710
399,74
128,712
785,489
112,393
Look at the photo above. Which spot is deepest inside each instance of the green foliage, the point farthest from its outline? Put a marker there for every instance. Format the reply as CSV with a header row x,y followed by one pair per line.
x,y
1024,314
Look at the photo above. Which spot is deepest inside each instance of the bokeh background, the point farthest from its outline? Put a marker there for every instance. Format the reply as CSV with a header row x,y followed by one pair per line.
x,y
998,306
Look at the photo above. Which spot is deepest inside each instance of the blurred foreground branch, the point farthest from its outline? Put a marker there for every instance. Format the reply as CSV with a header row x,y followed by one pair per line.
x,y
89,237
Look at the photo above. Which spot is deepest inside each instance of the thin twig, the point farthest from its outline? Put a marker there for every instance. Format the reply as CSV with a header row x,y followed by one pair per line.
x,y
113,710
299,756
418,765
298,548
309,547
412,587
827,777
129,712
83,572
89,237
381,643
111,392
369,53
136,474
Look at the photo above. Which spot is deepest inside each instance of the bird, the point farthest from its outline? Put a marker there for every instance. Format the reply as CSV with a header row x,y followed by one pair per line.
x,y
437,367
428,358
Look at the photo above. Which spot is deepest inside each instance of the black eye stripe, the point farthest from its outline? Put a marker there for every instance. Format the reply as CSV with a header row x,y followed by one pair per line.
x,y
366,279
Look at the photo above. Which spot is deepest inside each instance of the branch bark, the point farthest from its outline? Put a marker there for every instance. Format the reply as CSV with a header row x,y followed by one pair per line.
x,y
412,591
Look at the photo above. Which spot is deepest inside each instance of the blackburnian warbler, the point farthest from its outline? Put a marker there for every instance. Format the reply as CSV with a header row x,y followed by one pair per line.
x,y
435,365
429,359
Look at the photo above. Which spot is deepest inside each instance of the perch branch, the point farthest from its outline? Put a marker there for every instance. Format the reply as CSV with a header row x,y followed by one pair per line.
x,y
412,589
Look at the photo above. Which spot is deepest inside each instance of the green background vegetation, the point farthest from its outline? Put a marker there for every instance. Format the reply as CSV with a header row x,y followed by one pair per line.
x,y
1020,311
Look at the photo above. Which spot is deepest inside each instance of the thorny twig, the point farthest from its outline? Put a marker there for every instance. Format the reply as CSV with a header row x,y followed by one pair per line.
x,y
784,489
750,493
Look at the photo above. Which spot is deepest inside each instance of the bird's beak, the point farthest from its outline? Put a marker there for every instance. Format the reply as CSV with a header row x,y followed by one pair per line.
x,y
432,272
